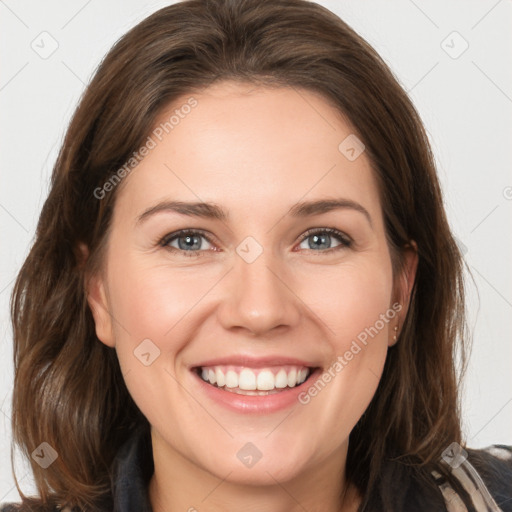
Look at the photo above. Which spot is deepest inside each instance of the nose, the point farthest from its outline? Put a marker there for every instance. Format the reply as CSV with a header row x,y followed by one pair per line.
x,y
258,297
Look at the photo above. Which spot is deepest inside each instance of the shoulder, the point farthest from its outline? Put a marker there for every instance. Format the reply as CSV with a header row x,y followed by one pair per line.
x,y
474,480
481,478
494,467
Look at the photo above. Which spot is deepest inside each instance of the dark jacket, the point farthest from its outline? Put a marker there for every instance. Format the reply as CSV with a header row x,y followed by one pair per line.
x,y
489,468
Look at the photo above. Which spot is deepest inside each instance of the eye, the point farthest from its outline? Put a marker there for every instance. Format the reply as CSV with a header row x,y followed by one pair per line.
x,y
321,238
189,242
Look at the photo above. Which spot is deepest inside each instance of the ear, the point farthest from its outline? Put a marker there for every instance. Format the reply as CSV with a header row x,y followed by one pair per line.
x,y
403,288
95,288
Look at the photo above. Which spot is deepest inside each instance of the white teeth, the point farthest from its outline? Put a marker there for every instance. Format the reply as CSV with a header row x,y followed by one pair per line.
x,y
247,379
281,379
219,374
292,378
266,380
301,376
231,379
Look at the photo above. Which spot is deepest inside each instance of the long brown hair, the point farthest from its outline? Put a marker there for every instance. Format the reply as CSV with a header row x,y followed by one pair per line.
x,y
68,388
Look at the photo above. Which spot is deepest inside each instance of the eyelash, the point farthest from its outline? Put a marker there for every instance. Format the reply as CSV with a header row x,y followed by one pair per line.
x,y
346,242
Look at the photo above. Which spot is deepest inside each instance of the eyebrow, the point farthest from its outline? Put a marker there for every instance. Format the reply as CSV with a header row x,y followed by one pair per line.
x,y
216,212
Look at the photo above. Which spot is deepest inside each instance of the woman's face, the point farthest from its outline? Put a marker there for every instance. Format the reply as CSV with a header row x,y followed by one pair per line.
x,y
271,285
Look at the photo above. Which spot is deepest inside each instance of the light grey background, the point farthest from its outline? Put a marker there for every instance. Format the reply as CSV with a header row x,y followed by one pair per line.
x,y
465,101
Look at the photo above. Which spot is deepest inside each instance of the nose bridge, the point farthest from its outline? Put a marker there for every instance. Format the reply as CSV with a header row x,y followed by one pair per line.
x,y
258,297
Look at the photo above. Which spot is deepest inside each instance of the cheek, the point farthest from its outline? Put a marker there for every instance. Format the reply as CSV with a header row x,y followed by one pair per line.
x,y
154,301
150,307
354,303
348,298
157,311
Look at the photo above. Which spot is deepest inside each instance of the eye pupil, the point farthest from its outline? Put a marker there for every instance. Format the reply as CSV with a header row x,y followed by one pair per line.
x,y
324,240
191,242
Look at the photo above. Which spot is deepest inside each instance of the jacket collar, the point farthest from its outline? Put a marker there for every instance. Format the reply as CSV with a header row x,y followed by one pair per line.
x,y
133,468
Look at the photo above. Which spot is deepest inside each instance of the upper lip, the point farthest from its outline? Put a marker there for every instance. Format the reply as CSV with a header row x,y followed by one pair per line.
x,y
254,362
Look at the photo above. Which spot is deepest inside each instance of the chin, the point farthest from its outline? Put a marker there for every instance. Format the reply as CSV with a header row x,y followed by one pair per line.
x,y
260,459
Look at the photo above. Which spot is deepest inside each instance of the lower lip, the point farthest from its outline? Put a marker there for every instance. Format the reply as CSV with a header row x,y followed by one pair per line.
x,y
261,404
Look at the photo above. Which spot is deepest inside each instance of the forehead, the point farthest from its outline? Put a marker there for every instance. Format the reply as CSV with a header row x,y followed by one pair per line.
x,y
252,149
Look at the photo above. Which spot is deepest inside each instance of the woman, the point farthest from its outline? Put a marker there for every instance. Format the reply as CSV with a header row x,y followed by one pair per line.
x,y
244,292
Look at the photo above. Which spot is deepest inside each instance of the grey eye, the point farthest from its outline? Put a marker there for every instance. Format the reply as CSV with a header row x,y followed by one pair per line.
x,y
322,240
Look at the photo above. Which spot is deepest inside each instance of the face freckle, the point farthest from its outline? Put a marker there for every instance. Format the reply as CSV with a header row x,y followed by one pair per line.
x,y
263,167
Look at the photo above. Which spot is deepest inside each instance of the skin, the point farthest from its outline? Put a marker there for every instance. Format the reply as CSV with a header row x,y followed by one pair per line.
x,y
256,152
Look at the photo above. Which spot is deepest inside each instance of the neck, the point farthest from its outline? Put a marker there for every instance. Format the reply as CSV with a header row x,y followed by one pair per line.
x,y
178,484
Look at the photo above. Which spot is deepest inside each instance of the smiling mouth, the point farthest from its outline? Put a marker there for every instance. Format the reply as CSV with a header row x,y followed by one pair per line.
x,y
254,381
